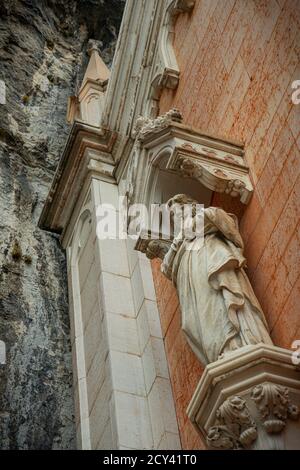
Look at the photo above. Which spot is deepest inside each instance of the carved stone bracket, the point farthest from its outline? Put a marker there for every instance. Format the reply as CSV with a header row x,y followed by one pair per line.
x,y
166,70
249,399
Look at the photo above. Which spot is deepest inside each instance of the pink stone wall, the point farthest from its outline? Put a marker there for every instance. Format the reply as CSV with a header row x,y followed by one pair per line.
x,y
238,59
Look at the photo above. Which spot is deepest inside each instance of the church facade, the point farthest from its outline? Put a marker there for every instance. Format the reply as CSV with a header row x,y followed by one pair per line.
x,y
201,101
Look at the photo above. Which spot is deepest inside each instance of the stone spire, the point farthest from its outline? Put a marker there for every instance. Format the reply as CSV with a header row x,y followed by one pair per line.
x,y
96,69
89,103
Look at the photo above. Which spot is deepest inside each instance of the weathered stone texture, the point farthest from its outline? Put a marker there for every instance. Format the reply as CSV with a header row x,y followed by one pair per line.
x,y
42,58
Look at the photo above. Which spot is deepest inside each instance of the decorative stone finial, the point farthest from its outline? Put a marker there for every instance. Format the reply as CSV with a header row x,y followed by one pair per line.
x,y
93,45
96,69
145,126
89,103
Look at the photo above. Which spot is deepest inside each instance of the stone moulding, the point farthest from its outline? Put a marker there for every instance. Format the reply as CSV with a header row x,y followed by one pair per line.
x,y
87,151
249,400
145,46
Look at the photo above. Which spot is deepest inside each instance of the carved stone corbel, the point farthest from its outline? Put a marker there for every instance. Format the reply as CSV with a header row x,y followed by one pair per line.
x,y
153,248
249,399
166,70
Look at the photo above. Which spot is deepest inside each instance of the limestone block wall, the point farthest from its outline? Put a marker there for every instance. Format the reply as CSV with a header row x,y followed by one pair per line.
x,y
122,389
237,62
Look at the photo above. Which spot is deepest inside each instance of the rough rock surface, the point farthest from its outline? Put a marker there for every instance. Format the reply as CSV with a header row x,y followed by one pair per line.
x,y
42,58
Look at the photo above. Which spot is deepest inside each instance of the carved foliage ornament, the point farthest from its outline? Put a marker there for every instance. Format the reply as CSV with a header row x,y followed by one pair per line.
x,y
145,126
234,428
215,179
274,406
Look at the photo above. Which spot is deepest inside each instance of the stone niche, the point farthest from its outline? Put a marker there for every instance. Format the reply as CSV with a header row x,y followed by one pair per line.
x,y
169,157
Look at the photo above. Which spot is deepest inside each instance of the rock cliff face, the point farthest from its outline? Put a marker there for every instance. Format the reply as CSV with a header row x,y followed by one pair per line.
x,y
42,59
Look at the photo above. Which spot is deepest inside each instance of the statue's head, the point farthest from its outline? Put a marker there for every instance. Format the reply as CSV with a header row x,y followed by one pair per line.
x,y
181,199
176,202
186,216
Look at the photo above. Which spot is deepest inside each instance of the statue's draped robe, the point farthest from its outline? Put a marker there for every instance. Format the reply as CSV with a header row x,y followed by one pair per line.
x,y
220,311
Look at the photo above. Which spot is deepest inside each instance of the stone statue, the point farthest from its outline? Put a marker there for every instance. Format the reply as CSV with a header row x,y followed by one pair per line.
x,y
220,312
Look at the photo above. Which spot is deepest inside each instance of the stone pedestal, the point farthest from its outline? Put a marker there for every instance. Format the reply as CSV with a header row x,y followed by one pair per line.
x,y
250,399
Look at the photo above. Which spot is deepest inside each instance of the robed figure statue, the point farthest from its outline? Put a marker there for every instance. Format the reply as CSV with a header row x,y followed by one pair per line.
x,y
220,312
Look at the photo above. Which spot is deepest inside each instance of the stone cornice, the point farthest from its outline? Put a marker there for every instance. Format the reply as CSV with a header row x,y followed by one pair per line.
x,y
88,149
